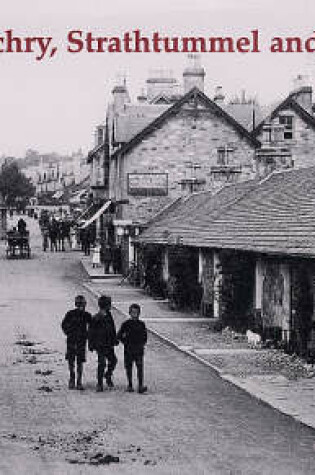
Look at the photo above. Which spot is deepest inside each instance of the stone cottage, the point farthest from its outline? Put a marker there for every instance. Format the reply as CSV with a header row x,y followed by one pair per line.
x,y
250,248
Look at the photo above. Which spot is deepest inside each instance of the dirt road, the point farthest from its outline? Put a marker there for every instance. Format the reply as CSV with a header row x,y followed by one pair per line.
x,y
190,422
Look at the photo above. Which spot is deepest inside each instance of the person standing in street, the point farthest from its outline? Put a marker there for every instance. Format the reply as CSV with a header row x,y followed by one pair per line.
x,y
75,326
53,234
96,255
117,259
102,339
133,335
45,236
21,225
107,258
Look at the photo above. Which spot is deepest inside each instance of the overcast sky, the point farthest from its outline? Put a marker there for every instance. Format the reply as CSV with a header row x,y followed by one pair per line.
x,y
54,105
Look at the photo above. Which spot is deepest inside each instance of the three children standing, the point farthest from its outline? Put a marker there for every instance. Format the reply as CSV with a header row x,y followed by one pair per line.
x,y
99,332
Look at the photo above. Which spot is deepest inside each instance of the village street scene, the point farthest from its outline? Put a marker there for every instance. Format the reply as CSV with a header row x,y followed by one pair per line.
x,y
157,239
191,420
201,213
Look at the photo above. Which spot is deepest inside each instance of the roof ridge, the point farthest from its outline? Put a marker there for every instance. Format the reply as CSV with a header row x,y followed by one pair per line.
x,y
174,108
284,171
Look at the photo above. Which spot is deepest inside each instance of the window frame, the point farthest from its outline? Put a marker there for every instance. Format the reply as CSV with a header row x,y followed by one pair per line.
x,y
287,121
225,156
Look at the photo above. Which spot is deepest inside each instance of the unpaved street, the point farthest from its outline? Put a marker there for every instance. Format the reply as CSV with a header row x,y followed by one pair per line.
x,y
190,422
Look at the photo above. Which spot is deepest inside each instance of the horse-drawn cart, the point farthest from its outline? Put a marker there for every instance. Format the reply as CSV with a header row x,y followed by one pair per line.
x,y
18,244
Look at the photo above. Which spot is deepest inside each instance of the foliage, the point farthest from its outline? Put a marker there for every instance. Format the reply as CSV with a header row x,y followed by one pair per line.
x,y
236,290
15,187
183,288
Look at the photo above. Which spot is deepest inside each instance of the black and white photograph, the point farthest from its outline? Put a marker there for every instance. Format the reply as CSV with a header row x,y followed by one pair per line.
x,y
157,237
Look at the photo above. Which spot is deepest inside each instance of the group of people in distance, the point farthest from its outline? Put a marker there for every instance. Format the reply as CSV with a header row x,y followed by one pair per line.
x,y
100,333
55,232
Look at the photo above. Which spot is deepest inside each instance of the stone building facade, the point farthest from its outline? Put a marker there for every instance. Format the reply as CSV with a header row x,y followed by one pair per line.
x,y
194,146
296,118
173,142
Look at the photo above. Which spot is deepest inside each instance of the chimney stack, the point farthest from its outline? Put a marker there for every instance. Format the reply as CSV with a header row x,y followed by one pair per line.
x,y
120,95
194,74
160,82
219,96
303,92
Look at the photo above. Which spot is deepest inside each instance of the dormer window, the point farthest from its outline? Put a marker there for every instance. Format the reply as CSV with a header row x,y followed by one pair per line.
x,y
287,122
224,155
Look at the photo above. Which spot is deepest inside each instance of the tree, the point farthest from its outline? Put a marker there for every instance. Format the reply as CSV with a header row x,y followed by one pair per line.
x,y
15,187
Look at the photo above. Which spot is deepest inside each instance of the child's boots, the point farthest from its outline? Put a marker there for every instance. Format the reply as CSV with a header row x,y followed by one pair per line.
x,y
109,381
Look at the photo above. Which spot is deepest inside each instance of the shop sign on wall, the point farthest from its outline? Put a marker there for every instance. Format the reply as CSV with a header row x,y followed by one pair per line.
x,y
147,184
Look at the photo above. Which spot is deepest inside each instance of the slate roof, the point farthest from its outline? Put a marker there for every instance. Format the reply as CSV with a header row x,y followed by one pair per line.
x,y
195,94
134,118
274,216
186,210
243,113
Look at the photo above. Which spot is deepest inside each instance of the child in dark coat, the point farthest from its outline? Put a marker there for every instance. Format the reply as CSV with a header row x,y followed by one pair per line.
x,y
133,335
75,326
102,339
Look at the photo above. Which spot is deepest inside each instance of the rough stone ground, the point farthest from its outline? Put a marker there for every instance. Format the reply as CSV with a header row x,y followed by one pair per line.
x,y
190,422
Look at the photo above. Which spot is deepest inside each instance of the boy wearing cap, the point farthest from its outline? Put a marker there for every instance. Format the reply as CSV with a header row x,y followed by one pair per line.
x,y
75,326
102,339
133,335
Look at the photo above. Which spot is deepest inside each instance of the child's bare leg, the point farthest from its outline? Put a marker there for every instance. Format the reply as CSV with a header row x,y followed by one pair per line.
x,y
79,374
139,364
129,375
100,371
128,368
72,374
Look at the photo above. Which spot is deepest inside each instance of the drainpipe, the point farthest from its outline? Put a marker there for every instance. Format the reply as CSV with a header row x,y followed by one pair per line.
x,y
216,285
200,266
165,265
291,299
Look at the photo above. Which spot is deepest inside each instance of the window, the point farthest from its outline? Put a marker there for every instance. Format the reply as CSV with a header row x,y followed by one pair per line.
x,y
268,134
287,122
224,155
